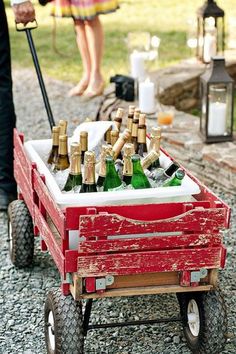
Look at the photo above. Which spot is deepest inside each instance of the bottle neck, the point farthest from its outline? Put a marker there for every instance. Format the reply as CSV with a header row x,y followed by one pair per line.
x,y
155,144
75,167
63,150
89,173
84,143
137,168
128,166
134,133
55,138
142,134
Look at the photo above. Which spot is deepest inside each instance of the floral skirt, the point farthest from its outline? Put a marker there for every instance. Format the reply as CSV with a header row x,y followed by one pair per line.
x,y
82,9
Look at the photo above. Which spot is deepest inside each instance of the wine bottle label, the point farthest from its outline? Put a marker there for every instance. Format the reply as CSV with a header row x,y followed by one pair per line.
x,y
142,135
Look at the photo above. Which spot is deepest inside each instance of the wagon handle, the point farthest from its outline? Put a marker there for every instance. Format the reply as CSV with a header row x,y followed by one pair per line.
x,y
27,29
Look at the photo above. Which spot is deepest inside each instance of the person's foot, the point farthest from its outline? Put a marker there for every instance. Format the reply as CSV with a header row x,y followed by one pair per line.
x,y
79,89
5,200
94,89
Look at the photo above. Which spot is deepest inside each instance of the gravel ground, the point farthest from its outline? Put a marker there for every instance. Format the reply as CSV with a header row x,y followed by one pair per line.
x,y
22,292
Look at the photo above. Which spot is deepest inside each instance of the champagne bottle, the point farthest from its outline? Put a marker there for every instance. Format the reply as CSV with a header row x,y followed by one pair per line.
x,y
89,184
176,180
139,179
118,118
123,138
74,147
149,159
112,180
142,132
155,141
107,136
128,166
160,175
134,132
63,127
75,177
53,156
63,159
130,119
83,144
114,136
106,151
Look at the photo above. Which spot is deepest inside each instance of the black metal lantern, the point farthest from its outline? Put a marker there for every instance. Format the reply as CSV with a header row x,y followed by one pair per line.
x,y
210,31
217,98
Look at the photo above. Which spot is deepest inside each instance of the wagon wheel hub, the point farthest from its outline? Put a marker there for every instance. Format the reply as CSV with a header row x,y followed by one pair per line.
x,y
193,317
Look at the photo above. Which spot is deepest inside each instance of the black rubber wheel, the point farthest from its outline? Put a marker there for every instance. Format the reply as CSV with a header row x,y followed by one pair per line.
x,y
21,234
204,321
63,324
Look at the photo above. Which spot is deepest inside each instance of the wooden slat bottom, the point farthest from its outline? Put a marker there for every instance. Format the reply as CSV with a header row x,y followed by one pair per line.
x,y
149,290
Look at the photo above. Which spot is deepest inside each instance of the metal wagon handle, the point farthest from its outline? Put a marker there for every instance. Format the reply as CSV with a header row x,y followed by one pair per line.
x,y
27,29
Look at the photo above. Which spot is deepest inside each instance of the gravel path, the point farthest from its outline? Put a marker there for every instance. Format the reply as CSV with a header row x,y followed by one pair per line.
x,y
22,292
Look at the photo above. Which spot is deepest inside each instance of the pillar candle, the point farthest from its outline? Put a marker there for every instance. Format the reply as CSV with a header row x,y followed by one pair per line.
x,y
217,118
147,96
209,47
137,65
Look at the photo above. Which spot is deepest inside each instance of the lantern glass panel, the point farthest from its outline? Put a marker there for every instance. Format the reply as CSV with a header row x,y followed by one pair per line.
x,y
219,109
204,107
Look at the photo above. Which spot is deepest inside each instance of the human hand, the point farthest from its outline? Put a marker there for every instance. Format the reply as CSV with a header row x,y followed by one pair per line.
x,y
24,12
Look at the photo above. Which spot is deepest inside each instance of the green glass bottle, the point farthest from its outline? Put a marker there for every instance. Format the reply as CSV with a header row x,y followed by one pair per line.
x,y
139,179
106,151
89,184
112,180
74,179
176,180
160,176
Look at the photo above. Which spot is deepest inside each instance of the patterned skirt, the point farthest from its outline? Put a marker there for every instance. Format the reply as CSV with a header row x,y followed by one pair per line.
x,y
82,9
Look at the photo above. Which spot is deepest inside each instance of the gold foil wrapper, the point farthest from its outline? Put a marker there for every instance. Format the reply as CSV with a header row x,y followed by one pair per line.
x,y
149,159
114,136
63,127
84,140
63,149
75,164
120,142
55,136
89,167
129,149
155,141
142,135
120,113
134,128
142,119
128,166
131,110
75,147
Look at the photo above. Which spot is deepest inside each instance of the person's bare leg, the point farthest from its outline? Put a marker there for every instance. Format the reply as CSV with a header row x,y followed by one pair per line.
x,y
84,52
95,41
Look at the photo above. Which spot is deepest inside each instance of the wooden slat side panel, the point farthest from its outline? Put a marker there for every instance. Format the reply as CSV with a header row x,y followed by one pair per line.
x,y
46,199
149,262
196,220
25,186
20,155
150,212
150,243
50,240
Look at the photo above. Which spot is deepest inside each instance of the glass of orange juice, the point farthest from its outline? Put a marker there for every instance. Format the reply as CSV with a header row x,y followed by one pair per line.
x,y
165,118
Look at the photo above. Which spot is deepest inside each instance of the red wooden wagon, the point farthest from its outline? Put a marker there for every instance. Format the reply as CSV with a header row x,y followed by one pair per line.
x,y
122,251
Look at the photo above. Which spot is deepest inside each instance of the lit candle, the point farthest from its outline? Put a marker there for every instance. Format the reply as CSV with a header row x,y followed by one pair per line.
x,y
217,118
209,47
147,96
137,65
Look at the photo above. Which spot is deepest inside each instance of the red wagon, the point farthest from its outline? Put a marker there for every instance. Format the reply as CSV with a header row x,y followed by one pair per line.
x,y
123,251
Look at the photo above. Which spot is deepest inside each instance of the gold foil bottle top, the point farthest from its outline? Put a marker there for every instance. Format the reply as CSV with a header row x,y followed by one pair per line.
x,y
107,136
75,147
129,149
62,126
134,128
126,134
75,165
142,134
89,157
55,136
63,145
106,151
84,140
149,159
120,142
119,113
142,119
131,110
136,116
114,136
156,132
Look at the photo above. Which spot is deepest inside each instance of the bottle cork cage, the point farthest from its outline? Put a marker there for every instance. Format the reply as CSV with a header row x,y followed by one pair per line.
x,y
37,151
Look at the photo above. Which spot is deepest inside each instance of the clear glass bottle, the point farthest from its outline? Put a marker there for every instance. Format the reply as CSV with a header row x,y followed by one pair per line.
x,y
53,155
89,184
63,159
74,179
112,180
139,179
